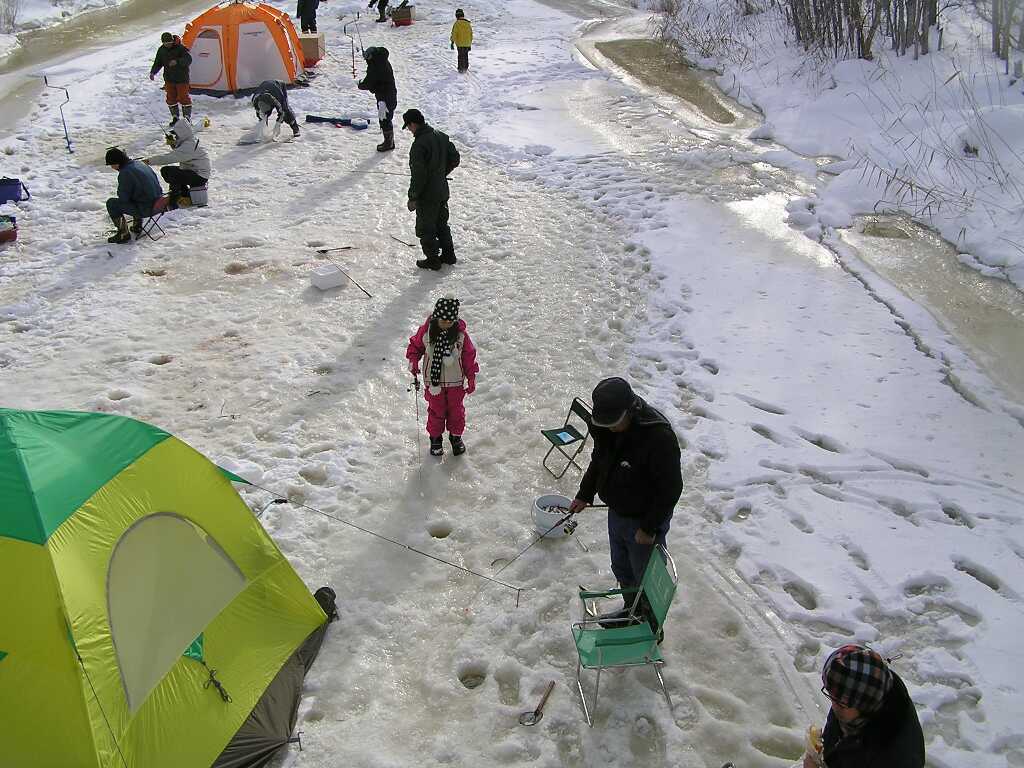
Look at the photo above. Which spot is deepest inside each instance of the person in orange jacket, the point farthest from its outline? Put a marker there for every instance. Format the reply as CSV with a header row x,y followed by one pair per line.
x,y
462,38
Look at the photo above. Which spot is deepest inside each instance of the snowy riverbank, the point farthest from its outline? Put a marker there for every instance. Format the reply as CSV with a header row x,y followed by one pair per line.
x,y
941,138
841,481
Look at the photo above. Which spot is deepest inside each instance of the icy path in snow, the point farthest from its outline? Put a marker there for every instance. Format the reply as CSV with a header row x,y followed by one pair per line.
x,y
831,461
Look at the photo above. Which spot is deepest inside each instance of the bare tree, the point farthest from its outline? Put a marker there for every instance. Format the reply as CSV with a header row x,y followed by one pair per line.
x,y
9,10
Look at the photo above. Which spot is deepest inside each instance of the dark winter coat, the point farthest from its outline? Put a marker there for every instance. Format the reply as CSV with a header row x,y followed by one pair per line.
x,y
892,737
380,78
307,8
178,53
432,157
138,185
636,472
272,94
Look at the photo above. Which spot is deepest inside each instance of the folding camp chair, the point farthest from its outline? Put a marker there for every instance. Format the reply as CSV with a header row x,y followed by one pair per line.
x,y
151,224
632,640
567,434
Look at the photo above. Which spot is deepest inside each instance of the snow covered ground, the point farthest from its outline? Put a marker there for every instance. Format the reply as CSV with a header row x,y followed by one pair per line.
x,y
850,473
940,137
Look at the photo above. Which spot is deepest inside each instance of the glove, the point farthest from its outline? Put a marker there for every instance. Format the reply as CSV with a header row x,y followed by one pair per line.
x,y
152,77
295,129
453,46
411,205
470,386
277,130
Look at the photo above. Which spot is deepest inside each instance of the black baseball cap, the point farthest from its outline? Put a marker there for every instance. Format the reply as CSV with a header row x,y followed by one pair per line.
x,y
412,116
612,398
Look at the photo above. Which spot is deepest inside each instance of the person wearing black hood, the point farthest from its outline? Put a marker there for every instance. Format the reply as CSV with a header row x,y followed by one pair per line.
x,y
635,469
380,81
174,59
872,722
270,97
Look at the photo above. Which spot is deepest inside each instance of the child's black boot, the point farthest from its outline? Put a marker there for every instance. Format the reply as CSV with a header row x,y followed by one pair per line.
x,y
436,446
458,447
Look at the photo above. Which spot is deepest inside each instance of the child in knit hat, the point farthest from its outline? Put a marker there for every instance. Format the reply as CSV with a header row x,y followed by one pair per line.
x,y
872,721
449,372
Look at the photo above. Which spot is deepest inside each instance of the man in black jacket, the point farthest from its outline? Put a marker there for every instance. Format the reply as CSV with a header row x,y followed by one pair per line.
x,y
872,723
270,97
306,11
138,189
432,157
635,469
380,81
174,59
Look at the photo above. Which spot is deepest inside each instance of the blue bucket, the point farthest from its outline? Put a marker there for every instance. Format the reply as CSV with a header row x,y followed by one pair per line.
x,y
11,189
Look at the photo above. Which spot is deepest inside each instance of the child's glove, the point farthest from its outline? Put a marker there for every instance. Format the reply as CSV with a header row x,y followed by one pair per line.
x,y
411,205
295,129
470,386
453,46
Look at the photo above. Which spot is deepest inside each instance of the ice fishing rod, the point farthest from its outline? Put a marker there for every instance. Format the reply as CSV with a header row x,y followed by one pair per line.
x,y
285,500
67,100
563,521
401,241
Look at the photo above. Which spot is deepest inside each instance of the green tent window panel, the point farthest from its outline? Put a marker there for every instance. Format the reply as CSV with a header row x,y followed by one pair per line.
x,y
168,579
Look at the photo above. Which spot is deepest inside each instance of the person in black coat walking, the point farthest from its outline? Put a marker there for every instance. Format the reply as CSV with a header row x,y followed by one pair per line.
x,y
432,157
872,722
380,81
635,469
174,59
306,11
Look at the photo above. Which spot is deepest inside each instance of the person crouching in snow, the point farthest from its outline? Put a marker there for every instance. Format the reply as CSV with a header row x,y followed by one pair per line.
x,y
270,96
138,189
449,359
194,169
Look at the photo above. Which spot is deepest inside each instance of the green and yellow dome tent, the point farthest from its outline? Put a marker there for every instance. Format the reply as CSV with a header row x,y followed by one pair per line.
x,y
146,618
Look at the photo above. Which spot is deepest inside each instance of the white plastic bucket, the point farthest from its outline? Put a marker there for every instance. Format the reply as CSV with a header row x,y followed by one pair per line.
x,y
544,519
198,195
327,277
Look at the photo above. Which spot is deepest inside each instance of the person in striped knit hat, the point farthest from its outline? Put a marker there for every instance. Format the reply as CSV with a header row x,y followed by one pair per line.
x,y
872,722
448,358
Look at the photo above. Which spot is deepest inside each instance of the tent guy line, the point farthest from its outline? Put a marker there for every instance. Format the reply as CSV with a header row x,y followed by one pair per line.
x,y
280,498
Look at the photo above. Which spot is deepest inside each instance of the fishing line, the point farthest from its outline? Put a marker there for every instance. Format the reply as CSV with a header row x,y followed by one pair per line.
x,y
563,521
382,537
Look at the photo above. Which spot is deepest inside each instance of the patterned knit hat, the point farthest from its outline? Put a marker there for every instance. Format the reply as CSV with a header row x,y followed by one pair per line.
x,y
857,677
447,308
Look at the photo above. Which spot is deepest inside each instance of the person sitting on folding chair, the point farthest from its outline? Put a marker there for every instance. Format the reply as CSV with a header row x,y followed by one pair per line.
x,y
635,469
138,189
193,170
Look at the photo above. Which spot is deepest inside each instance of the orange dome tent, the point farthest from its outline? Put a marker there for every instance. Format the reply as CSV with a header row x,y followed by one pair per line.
x,y
238,44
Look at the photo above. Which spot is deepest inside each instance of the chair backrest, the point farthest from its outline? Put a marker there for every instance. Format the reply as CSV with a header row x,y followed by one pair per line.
x,y
582,410
658,585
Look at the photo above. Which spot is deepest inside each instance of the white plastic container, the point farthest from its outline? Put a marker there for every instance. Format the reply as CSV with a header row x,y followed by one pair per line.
x,y
543,519
198,196
327,277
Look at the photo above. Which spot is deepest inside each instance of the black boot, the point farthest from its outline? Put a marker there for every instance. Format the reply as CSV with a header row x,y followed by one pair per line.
x,y
448,258
434,264
614,620
436,446
186,110
136,230
122,235
389,142
173,109
458,447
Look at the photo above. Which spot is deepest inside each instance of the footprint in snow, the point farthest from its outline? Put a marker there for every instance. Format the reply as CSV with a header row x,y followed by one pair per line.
x,y
761,405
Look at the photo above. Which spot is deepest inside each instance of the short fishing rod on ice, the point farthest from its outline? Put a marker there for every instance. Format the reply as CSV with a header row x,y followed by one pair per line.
x,y
279,499
563,521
